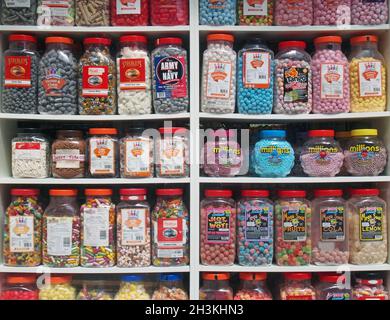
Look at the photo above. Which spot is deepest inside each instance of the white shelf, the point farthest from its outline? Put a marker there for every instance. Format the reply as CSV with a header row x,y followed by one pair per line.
x,y
86,182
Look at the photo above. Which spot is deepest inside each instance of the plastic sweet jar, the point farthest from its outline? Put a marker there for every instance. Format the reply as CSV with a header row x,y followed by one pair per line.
x,y
255,228
293,78
321,154
253,286
293,228
90,14
367,227
18,12
369,12
132,287
370,286
215,287
329,228
170,229
365,153
54,13
368,75
293,12
129,13
255,77
133,229
58,287
332,286
98,247
218,228
171,287
218,90
20,80
297,286
217,13
169,12
331,13
96,290
22,229
255,13
20,287
61,230
343,137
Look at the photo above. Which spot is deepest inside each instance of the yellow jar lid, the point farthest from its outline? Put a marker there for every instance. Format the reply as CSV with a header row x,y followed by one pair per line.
x,y
343,134
364,132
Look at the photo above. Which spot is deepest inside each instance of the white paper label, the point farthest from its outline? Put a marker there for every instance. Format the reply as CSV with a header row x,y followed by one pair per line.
x,y
133,227
21,231
96,227
219,78
68,158
255,7
138,156
172,157
128,6
256,70
170,253
27,151
102,156
332,79
58,8
370,79
59,236
17,3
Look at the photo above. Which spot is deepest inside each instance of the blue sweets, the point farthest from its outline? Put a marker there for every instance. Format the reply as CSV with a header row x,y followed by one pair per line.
x,y
217,13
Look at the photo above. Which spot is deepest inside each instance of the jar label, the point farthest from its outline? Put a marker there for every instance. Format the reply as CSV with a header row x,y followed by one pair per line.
x,y
370,78
295,4
216,4
21,229
132,74
102,156
58,8
53,82
338,296
172,157
323,155
218,225
68,158
128,6
332,224
95,81
133,226
219,80
170,237
225,154
17,3
332,80
27,150
300,297
59,236
256,71
170,76
296,84
371,223
17,72
363,154
255,7
137,157
96,226
294,223
275,154
257,224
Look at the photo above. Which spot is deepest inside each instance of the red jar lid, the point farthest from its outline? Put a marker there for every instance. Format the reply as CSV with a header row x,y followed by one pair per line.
x,y
367,38
216,276
328,193
292,193
60,279
133,192
321,133
103,131
364,192
63,192
22,37
21,279
98,192
260,276
64,40
104,41
169,192
133,38
255,193
24,192
332,277
297,275
328,39
172,130
164,41
218,193
220,37
292,44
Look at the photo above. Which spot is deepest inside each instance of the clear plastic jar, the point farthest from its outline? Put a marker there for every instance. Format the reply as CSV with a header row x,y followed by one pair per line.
x,y
129,13
56,13
20,80
96,290
368,75
218,91
218,228
97,78
132,287
293,79
170,229
253,287
293,12
133,229
58,288
217,13
93,13
300,139
103,153
297,286
365,12
169,12
367,227
215,287
18,12
98,245
255,13
332,286
369,286
329,228
20,287
22,229
332,13
171,287
343,137
293,228
365,153
134,83
61,230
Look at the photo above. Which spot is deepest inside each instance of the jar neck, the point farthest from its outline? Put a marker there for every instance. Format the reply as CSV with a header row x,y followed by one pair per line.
x,y
215,284
96,47
329,46
23,45
133,198
69,135
220,43
302,283
365,46
134,45
24,198
252,284
59,46
170,198
171,284
57,201
98,198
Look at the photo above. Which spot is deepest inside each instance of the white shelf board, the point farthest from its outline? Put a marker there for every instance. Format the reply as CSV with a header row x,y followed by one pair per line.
x,y
86,182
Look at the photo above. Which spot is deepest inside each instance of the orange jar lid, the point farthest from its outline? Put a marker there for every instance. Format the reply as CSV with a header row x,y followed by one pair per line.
x,y
98,192
20,279
367,38
220,37
63,192
60,279
65,40
328,39
215,276
103,131
260,276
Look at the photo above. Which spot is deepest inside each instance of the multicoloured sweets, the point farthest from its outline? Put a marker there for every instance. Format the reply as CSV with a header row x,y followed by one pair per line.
x,y
333,287
169,12
58,288
170,288
297,286
215,287
18,12
217,12
253,287
129,13
95,290
92,12
369,12
293,12
255,12
132,287
22,229
333,12
19,287
56,13
369,286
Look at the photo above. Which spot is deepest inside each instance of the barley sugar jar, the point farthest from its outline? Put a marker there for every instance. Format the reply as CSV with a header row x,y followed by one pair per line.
x,y
18,12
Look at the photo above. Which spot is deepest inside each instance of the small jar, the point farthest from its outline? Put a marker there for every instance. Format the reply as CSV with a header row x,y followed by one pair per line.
x,y
321,154
332,286
332,13
97,229
217,13
61,230
58,288
365,153
215,287
56,13
369,286
169,12
293,78
297,286
96,290
170,229
133,229
18,12
68,152
329,228
367,227
293,228
92,13
369,12
20,287
132,287
171,287
218,91
103,153
218,228
129,13
255,13
293,12
253,287
22,229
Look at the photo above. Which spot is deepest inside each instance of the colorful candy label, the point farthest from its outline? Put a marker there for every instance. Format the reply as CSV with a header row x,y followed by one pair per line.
x,y
338,296
332,80
53,82
226,154
96,227
371,223
216,4
323,155
332,223
218,225
257,224
296,83
133,226
59,236
363,154
95,81
102,156
256,69
17,3
370,78
17,72
27,150
255,7
172,157
68,158
21,231
294,223
128,6
132,74
137,157
170,76
275,154
219,80
58,8
170,237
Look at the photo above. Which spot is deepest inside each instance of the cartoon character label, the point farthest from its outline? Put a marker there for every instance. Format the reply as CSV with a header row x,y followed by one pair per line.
x,y
218,225
95,81
275,153
371,223
132,74
363,153
323,155
370,79
257,226
219,78
17,72
294,223
332,223
332,79
256,70
296,84
53,82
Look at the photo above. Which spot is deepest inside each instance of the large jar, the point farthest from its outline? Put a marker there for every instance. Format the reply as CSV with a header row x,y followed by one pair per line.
x,y
367,227
169,12
253,286
332,13
368,75
332,286
293,228
132,287
218,90
365,154
56,13
365,12
98,229
58,78
171,287
293,79
58,288
133,229
255,13
68,153
170,229
215,287
255,77
134,83
370,286
20,287
217,13
97,78
61,230
218,228
293,12
96,290
297,286
18,12
93,13
20,80
22,229
170,76
129,13
329,228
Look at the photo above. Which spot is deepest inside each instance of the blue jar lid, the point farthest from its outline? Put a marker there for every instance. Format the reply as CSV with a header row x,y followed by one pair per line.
x,y
273,134
171,277
132,278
